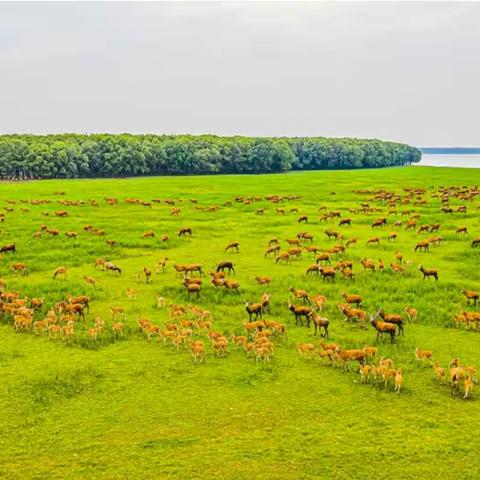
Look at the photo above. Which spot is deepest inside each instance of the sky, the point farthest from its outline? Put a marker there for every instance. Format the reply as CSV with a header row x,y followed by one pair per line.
x,y
408,72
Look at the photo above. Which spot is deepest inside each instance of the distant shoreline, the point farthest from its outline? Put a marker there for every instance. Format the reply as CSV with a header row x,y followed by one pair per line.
x,y
450,150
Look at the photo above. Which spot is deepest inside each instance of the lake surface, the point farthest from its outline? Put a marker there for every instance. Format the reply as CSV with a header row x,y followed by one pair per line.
x,y
461,161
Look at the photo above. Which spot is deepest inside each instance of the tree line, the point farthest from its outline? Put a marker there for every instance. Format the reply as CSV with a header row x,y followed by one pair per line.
x,y
107,155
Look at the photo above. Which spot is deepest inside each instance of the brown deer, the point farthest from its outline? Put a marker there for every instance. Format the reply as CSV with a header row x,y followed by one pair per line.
x,y
471,295
301,311
233,246
383,328
428,272
253,309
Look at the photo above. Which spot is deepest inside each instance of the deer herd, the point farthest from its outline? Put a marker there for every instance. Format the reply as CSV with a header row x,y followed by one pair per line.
x,y
190,327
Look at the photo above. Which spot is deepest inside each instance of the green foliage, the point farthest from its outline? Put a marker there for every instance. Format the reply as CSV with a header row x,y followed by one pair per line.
x,y
101,155
128,409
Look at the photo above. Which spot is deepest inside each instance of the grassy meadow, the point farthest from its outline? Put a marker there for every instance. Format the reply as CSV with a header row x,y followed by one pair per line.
x,y
126,408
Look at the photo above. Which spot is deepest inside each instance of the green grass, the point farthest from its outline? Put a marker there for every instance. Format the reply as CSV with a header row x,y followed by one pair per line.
x,y
133,409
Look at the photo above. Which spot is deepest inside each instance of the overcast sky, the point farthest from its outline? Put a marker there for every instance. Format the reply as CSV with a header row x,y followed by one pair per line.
x,y
407,72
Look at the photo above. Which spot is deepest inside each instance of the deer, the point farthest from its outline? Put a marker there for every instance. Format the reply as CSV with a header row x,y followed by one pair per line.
x,y
398,380
392,237
439,372
162,264
347,356
283,256
233,246
475,243
397,268
306,350
320,323
423,355
300,294
327,273
353,313
265,301
392,318
9,247
379,223
368,264
373,240
423,245
383,328
185,231
351,241
462,230
60,271
345,222
113,268
411,314
274,249
352,299
301,311
253,309
471,295
428,272
222,266
19,268
231,284
323,257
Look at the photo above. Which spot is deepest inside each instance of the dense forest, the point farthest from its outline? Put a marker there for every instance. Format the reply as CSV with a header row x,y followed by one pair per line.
x,y
103,155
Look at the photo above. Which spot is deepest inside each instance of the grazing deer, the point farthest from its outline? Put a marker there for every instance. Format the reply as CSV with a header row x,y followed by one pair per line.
x,y
301,311
9,247
185,231
113,268
392,237
60,271
233,246
423,245
323,257
273,249
351,241
373,240
285,256
475,242
222,266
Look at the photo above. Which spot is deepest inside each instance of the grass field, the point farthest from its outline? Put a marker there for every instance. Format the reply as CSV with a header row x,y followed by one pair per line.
x,y
128,408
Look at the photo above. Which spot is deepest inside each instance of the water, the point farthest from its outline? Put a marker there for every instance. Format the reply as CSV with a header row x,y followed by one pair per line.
x,y
460,161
